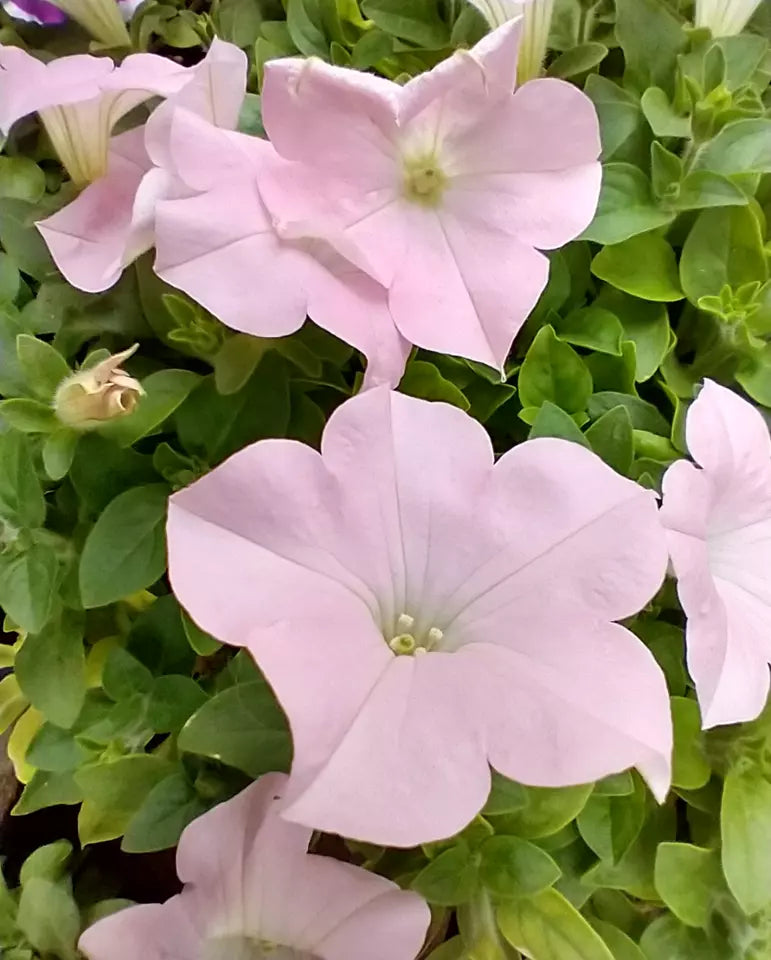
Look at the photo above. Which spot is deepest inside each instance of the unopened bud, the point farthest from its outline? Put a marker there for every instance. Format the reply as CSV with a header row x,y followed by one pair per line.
x,y
100,393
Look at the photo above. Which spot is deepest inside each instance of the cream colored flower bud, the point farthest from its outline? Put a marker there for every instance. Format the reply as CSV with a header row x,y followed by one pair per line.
x,y
99,393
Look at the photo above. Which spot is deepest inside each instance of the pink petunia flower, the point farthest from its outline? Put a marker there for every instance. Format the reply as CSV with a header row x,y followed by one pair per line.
x,y
447,185
222,247
252,891
112,222
423,613
718,515
79,100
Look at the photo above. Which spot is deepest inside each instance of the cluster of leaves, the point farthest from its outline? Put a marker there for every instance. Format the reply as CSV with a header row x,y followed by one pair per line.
x,y
120,707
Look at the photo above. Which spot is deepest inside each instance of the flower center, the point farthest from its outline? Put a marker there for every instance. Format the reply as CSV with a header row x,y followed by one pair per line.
x,y
424,180
408,642
250,948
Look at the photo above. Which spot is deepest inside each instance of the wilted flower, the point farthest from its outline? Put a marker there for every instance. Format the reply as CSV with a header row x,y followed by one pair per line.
x,y
222,247
95,394
112,222
718,515
446,185
392,589
79,99
252,891
536,24
725,17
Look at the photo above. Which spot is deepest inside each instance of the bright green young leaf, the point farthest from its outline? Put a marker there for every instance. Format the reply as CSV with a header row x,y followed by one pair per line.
x,y
662,116
644,266
626,207
166,811
745,822
690,767
743,146
50,668
126,550
553,371
548,927
43,366
724,247
667,938
12,702
611,438
450,879
545,813
242,726
164,392
689,880
702,188
21,494
592,328
512,867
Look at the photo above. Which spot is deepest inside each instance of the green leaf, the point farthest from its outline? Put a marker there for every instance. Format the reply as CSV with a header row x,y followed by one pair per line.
x,y
126,549
644,266
12,702
548,927
626,207
662,116
622,125
644,415
29,416
553,371
670,939
450,879
303,20
702,188
610,825
424,380
651,37
167,809
370,48
237,360
545,813
416,21
49,918
172,701
50,668
28,582
203,644
48,862
42,365
239,21
743,146
611,437
10,279
646,324
242,726
550,421
56,751
512,867
591,327
21,179
59,451
165,391
689,879
578,60
724,247
690,767
745,821
21,494
21,239
48,789
621,946
114,790
123,675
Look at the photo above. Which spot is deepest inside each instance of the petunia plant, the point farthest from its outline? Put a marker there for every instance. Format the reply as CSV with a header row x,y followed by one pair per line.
x,y
385,480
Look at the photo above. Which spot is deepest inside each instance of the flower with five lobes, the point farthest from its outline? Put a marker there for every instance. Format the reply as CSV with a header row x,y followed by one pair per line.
x,y
79,99
423,613
112,221
252,892
725,18
718,518
449,186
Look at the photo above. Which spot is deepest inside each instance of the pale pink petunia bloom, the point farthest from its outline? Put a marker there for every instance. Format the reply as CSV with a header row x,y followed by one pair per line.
x,y
449,185
252,892
222,247
423,613
79,100
718,515
112,222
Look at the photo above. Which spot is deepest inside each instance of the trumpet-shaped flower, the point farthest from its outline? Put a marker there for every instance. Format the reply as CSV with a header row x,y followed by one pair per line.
x,y
223,248
79,99
536,23
718,515
112,222
725,18
392,589
252,892
447,185
48,14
